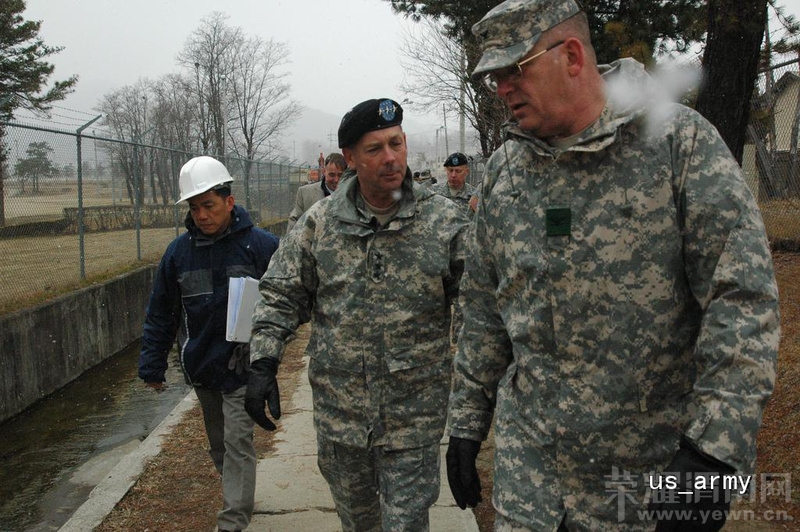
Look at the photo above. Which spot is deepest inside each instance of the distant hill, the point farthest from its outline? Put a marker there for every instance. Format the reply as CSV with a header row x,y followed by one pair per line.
x,y
314,132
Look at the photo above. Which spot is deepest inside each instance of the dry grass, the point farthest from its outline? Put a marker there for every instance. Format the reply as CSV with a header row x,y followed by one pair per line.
x,y
38,268
35,269
179,489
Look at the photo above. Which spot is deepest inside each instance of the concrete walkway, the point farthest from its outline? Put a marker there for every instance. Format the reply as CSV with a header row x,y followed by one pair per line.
x,y
290,492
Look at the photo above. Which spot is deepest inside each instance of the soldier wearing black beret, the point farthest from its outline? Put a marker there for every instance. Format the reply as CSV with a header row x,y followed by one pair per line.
x,y
456,187
370,115
374,268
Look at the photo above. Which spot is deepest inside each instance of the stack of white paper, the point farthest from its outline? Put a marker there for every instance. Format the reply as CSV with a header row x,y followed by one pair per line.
x,y
242,297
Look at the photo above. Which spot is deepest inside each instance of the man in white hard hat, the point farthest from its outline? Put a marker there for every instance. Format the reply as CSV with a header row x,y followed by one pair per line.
x,y
190,300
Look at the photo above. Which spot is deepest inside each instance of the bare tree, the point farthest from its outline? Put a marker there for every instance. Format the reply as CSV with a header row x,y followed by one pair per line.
x,y
260,99
171,115
124,113
209,53
437,72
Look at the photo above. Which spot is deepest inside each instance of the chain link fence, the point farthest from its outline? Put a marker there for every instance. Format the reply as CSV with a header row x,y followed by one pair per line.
x,y
79,207
771,160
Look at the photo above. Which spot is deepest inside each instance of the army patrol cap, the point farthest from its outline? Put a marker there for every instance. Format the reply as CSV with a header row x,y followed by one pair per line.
x,y
511,29
368,116
456,159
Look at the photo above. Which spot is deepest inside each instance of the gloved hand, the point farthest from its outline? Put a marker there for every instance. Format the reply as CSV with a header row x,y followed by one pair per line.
x,y
462,474
707,508
261,386
240,358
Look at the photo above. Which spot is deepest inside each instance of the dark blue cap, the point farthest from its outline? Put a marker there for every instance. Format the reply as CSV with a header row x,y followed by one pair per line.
x,y
456,159
368,116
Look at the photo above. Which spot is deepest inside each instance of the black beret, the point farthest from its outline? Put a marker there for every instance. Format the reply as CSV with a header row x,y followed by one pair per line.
x,y
368,116
456,159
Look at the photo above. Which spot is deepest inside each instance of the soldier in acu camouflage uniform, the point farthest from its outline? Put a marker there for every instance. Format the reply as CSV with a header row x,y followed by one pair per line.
x,y
456,187
462,193
374,267
621,312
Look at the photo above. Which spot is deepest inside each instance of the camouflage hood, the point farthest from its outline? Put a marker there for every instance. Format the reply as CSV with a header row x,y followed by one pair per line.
x,y
347,203
630,95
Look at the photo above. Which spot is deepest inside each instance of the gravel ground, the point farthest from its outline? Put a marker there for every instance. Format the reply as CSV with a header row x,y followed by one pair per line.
x,y
180,490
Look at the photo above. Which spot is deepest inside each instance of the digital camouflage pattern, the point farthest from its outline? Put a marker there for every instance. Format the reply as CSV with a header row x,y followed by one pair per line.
x,y
461,197
408,481
510,30
650,312
378,300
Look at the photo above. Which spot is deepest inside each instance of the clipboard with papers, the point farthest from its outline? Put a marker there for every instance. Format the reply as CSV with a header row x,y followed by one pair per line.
x,y
243,295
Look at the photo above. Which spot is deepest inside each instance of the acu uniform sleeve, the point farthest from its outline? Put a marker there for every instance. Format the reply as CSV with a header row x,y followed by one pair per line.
x,y
729,268
287,294
458,254
484,348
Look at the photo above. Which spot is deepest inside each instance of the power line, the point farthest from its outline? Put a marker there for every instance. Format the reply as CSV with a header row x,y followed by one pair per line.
x,y
86,113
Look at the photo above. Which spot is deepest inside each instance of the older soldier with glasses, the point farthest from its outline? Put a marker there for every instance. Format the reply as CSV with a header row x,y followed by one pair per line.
x,y
621,315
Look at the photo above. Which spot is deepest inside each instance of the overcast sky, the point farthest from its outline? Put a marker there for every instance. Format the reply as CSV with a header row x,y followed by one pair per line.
x,y
341,51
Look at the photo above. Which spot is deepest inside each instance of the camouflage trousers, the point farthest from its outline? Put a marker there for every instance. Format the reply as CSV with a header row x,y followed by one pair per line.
x,y
503,524
378,490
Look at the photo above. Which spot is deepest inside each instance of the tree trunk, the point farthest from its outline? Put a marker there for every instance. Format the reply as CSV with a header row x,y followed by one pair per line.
x,y
731,58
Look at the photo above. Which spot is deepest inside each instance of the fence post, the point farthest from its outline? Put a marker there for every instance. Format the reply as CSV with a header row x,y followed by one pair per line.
x,y
138,191
137,220
81,236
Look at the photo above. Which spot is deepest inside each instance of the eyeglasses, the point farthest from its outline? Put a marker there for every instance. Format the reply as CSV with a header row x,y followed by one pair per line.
x,y
513,73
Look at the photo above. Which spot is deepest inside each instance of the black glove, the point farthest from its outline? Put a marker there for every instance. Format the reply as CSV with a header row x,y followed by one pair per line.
x,y
240,358
462,475
707,508
262,385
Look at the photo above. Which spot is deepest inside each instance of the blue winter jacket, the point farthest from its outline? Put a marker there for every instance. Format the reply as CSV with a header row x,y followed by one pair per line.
x,y
190,299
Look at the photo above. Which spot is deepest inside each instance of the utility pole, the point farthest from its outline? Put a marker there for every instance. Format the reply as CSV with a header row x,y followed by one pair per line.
x,y
446,144
462,126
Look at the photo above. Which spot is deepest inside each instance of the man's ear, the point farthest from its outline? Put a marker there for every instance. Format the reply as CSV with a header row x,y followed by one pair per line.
x,y
348,156
576,55
229,201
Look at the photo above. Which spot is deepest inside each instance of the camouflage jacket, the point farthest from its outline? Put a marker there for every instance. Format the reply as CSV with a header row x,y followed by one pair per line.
x,y
378,299
621,295
461,198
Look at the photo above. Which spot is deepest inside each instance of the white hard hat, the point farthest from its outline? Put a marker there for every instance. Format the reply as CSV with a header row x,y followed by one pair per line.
x,y
201,174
